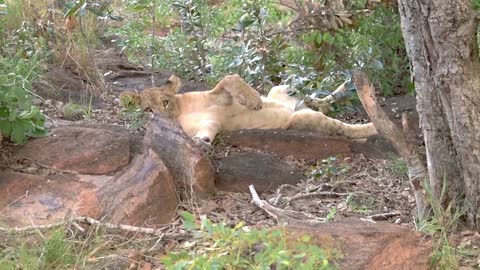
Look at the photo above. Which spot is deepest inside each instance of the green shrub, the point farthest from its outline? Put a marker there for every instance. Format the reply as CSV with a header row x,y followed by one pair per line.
x,y
20,61
255,39
221,247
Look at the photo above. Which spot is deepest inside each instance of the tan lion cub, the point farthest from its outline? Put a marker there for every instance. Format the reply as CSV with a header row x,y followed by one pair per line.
x,y
234,105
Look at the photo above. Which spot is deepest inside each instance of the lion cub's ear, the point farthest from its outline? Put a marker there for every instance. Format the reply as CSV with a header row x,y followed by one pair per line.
x,y
173,84
129,98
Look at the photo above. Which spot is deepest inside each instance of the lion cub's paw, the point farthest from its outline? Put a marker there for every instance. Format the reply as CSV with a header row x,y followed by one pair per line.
x,y
250,100
206,146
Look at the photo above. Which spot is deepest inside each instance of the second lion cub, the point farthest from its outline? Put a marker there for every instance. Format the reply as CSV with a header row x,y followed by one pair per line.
x,y
234,105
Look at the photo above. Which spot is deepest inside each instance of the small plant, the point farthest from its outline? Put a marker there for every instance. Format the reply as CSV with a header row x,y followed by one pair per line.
x,y
74,111
360,205
330,168
442,223
220,247
131,112
19,68
399,167
331,214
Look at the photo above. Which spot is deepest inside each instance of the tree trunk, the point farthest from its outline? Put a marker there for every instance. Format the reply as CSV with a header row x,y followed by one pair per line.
x,y
183,158
441,43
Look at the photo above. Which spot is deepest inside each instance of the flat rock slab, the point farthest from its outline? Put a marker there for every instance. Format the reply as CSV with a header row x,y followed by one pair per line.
x,y
371,246
297,144
265,171
86,171
82,150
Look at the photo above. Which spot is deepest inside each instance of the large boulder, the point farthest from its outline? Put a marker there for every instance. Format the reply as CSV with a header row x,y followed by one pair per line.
x,y
87,171
371,246
265,171
77,149
297,144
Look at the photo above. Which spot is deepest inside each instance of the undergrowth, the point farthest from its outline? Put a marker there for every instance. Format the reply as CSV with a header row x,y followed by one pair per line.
x,y
260,41
216,246
21,59
441,224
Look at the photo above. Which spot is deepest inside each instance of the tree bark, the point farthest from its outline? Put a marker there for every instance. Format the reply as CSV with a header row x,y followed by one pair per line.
x,y
184,159
441,43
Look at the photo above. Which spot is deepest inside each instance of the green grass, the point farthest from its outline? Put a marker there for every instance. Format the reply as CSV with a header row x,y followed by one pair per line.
x,y
55,252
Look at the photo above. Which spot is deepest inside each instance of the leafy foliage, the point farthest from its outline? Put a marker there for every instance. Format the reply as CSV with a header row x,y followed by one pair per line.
x,y
131,112
19,66
221,247
262,43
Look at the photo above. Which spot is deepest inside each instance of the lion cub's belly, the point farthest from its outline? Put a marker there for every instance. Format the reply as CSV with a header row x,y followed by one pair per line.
x,y
271,116
235,117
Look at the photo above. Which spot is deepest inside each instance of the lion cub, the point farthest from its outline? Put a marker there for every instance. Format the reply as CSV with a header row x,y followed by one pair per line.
x,y
234,105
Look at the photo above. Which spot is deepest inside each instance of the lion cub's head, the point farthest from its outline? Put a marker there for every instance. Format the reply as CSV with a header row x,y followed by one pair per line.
x,y
157,99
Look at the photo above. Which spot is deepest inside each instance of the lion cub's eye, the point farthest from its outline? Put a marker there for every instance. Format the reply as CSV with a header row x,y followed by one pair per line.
x,y
165,103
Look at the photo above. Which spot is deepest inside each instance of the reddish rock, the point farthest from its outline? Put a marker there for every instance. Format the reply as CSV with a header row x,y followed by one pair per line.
x,y
14,185
265,171
298,144
145,192
46,199
86,150
371,246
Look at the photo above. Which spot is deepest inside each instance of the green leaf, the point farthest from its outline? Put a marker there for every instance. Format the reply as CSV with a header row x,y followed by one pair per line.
x,y
75,8
6,128
188,220
18,133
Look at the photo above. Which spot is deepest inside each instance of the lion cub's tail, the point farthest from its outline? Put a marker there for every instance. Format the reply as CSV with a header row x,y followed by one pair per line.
x,y
316,121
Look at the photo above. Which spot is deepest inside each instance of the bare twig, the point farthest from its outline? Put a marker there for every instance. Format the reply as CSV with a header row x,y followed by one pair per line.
x,y
16,200
282,215
384,216
91,221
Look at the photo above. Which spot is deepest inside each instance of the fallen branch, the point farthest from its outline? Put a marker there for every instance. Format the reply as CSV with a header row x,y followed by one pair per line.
x,y
90,221
384,216
401,141
284,216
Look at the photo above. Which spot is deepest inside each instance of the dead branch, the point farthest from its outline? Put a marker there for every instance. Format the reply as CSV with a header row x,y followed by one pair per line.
x,y
93,222
402,143
384,216
284,216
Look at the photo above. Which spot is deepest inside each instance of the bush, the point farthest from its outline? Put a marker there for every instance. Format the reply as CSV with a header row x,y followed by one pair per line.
x,y
254,39
19,67
221,247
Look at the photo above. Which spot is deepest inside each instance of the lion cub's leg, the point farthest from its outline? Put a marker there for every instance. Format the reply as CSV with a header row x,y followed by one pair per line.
x,y
240,91
207,130
316,121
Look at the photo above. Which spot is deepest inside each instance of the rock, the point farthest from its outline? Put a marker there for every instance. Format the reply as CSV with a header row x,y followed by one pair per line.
x,y
46,199
298,144
85,150
265,171
145,191
371,246
96,180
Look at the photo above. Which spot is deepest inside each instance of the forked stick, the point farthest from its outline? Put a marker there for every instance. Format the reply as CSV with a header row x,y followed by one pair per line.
x,y
284,216
401,141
